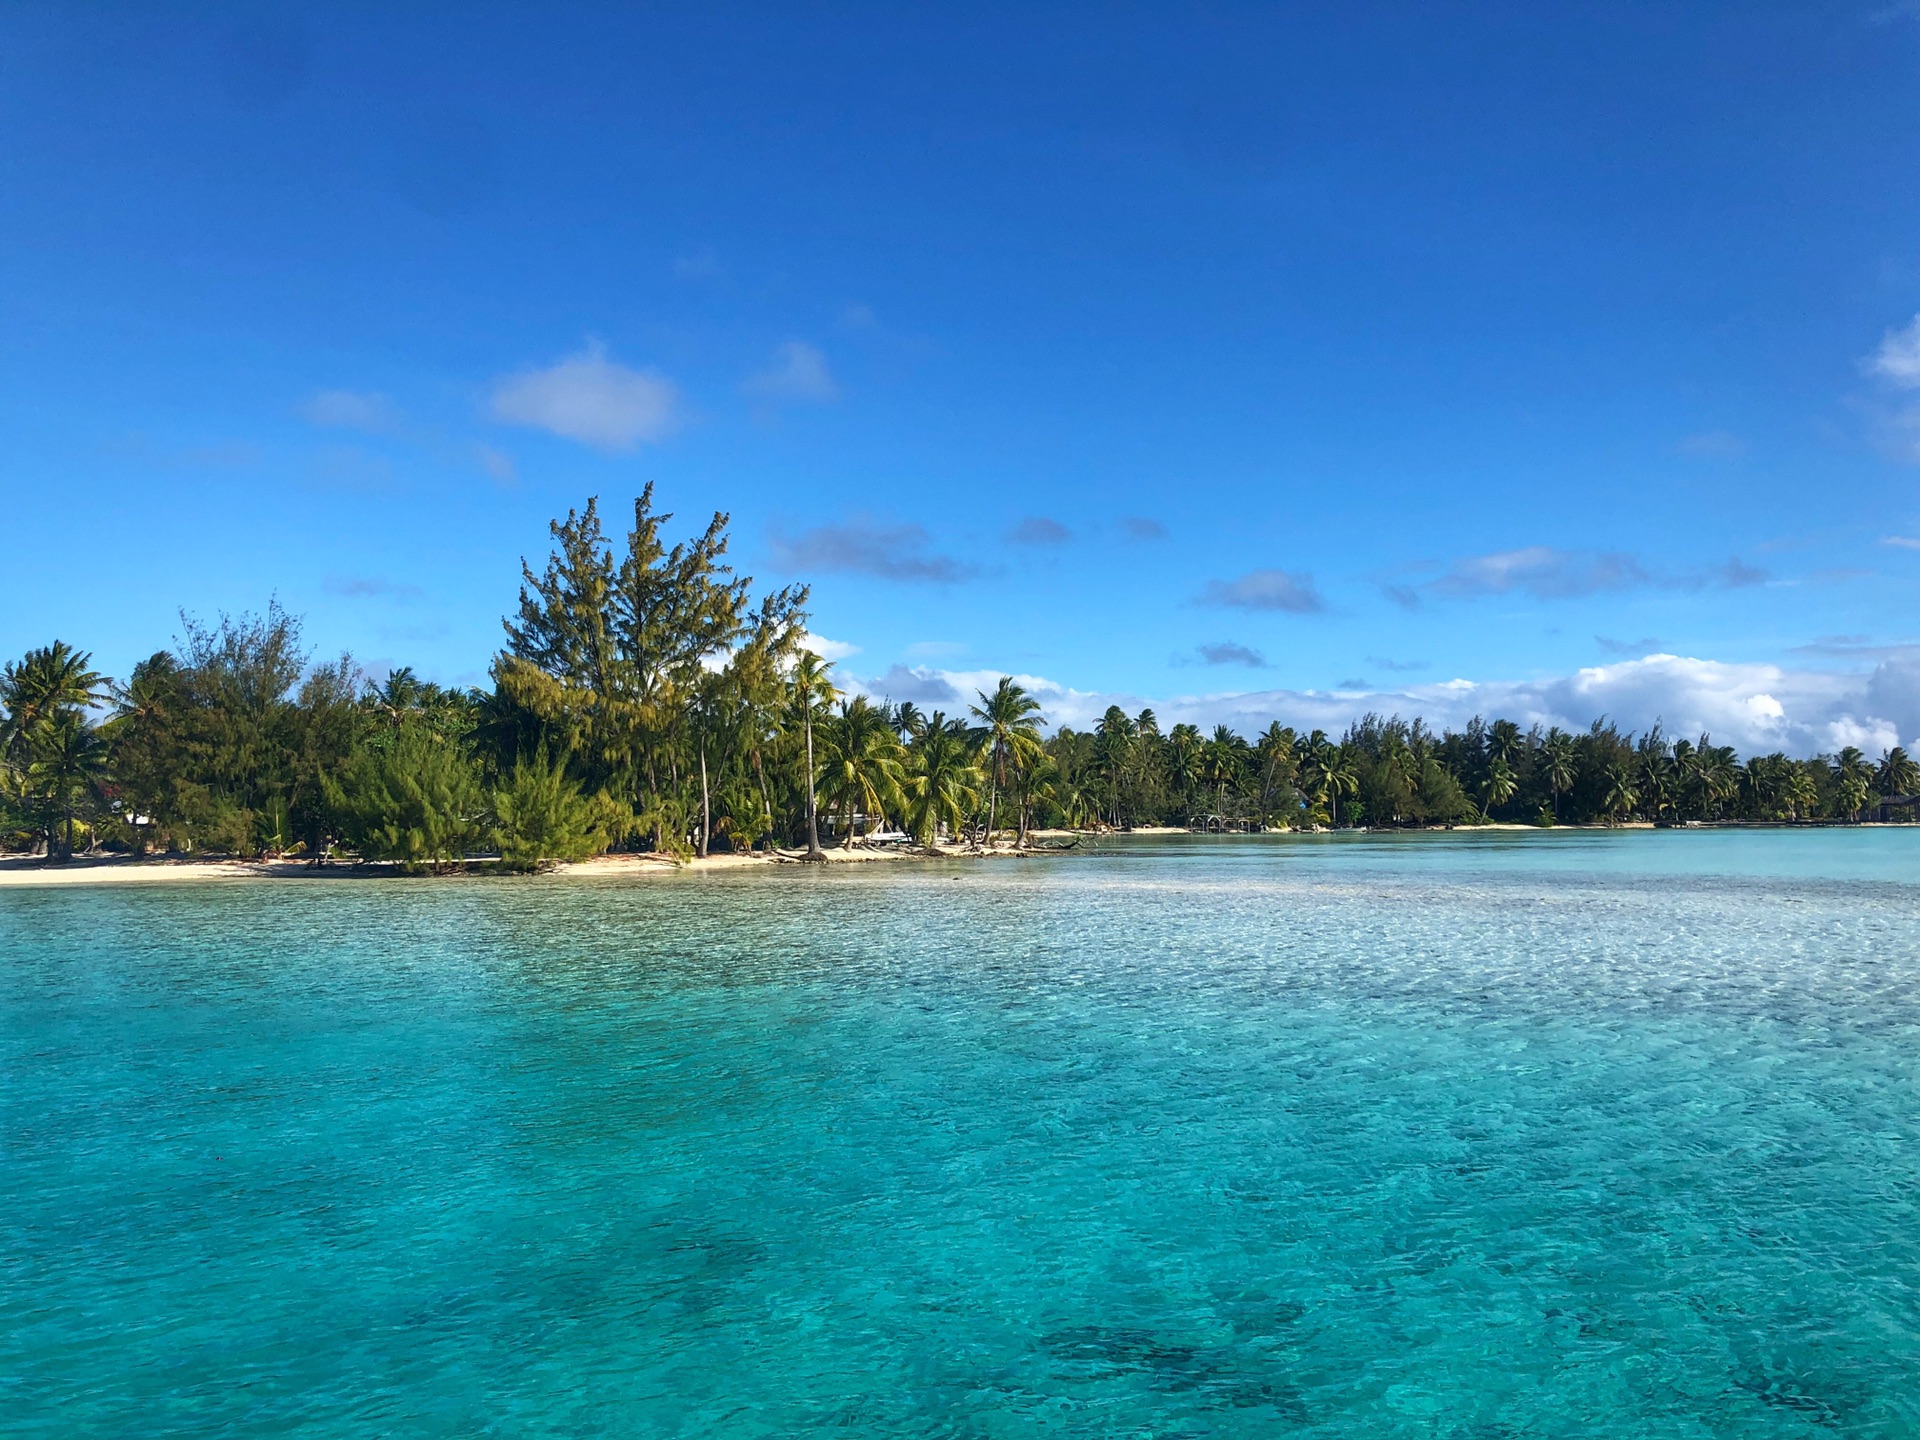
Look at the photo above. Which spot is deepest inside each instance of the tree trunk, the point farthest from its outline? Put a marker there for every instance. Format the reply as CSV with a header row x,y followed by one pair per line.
x,y
766,801
706,804
993,805
814,852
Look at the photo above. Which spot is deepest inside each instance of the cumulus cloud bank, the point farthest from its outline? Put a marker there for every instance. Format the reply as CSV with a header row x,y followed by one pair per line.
x,y
1758,708
591,399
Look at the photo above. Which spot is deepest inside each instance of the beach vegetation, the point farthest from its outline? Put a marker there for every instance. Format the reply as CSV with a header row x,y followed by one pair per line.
x,y
645,697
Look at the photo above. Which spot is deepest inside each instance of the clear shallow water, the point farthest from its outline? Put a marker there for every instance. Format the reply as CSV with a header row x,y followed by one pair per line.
x,y
1415,1136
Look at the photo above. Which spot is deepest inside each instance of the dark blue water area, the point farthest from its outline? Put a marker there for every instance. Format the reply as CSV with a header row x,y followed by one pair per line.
x,y
1567,1134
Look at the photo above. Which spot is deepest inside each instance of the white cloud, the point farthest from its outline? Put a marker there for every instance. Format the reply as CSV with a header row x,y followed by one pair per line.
x,y
1756,707
351,410
1903,542
591,399
799,372
827,649
1898,358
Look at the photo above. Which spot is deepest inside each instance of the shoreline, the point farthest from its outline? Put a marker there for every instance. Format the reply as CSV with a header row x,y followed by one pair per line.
x,y
33,871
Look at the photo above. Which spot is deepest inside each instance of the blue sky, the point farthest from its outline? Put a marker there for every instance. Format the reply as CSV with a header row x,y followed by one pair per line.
x,y
1247,361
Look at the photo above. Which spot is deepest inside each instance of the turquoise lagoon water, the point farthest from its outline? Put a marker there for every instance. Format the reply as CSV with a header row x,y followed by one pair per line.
x,y
1564,1134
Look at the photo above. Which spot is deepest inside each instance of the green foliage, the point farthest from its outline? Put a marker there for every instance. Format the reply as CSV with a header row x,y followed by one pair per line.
x,y
539,815
645,698
53,760
943,779
416,799
861,772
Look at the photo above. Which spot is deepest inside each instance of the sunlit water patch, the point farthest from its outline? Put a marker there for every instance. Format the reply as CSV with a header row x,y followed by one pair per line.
x,y
1422,1136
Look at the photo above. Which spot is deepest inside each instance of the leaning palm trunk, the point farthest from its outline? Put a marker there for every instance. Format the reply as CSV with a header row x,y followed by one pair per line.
x,y
814,852
706,803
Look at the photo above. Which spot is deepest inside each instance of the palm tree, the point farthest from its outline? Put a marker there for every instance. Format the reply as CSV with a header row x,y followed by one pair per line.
x,y
1558,761
1183,761
860,769
1220,764
1800,793
68,762
1399,772
1342,778
811,687
1113,754
1500,785
1899,774
908,720
1275,749
1620,795
1328,773
1012,735
47,682
941,779
1853,787
45,739
1656,781
1504,742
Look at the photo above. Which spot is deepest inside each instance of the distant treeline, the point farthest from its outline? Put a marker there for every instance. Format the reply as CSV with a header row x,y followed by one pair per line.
x,y
647,699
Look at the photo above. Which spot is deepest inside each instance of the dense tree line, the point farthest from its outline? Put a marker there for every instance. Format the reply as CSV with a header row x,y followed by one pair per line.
x,y
1392,772
646,699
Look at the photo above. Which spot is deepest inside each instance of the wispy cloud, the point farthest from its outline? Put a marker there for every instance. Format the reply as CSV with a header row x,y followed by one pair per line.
x,y
1540,571
592,399
1397,667
1229,653
1735,574
368,587
1903,542
1543,572
1713,445
1142,527
696,264
1266,590
496,463
1898,358
222,455
1039,530
865,547
799,373
1645,645
352,410
934,649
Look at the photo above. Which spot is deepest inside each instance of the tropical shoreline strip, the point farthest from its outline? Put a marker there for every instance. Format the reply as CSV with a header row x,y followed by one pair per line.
x,y
648,704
